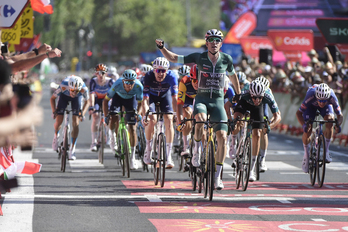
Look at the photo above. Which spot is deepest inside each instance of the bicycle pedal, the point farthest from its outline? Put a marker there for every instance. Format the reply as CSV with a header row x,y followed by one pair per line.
x,y
186,168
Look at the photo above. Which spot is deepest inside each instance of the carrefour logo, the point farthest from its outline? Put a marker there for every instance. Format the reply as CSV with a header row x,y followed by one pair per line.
x,y
6,11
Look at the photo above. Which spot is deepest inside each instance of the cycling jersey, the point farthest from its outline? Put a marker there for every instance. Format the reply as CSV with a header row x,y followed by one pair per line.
x,y
153,87
118,88
311,101
245,87
229,93
185,90
65,89
98,90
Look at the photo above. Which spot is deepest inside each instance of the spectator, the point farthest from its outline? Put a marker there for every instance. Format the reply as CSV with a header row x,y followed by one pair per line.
x,y
281,82
344,91
308,76
312,54
298,89
316,79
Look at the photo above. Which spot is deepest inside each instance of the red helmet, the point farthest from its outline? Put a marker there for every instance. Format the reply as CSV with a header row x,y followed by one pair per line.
x,y
193,72
101,67
137,71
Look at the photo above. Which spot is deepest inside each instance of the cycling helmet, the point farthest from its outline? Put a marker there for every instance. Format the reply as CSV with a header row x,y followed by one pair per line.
x,y
160,63
184,70
145,68
75,83
101,67
137,71
264,81
129,74
256,88
241,76
213,33
322,91
112,71
193,72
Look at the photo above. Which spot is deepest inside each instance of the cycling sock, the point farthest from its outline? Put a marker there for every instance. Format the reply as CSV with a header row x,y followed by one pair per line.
x,y
94,137
234,140
306,150
327,143
73,145
149,144
185,140
218,170
133,153
197,146
169,149
263,153
253,162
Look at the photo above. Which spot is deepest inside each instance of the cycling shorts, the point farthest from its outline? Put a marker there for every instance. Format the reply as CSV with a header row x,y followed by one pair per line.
x,y
311,110
165,102
129,105
214,107
256,112
188,102
63,103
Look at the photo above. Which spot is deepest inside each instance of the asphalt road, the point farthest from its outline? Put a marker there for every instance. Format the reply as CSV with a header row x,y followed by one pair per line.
x,y
93,197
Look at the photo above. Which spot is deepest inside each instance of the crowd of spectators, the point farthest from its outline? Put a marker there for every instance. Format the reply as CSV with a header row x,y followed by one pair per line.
x,y
295,79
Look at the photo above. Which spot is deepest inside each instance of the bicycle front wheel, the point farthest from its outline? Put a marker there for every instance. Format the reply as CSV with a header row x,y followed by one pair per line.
x,y
65,150
257,167
321,160
142,145
156,164
126,152
246,163
101,144
162,157
211,169
312,163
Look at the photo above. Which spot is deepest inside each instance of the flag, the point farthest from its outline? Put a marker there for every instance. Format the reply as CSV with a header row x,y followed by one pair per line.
x,y
41,6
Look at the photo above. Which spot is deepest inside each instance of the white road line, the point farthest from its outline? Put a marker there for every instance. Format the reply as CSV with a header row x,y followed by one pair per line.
x,y
318,220
153,198
285,201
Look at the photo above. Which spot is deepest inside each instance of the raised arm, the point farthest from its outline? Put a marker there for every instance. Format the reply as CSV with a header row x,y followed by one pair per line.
x,y
171,56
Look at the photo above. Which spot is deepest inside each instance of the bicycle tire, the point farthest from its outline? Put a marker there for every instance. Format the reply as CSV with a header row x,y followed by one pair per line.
x,y
211,169
163,156
257,167
126,152
101,145
246,163
204,173
156,164
192,170
65,150
239,173
321,160
142,145
312,164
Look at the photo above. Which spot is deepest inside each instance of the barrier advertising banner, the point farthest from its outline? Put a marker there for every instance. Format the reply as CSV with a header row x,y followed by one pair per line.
x,y
292,40
334,30
243,27
252,44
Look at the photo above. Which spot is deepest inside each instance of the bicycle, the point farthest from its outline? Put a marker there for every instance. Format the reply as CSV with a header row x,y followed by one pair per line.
x,y
102,132
123,143
242,164
317,156
63,148
141,143
178,149
159,146
258,159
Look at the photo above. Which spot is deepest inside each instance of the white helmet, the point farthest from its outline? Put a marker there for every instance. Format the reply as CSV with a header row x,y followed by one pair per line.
x,y
241,76
263,80
144,68
256,88
112,71
322,91
184,70
213,33
160,63
75,82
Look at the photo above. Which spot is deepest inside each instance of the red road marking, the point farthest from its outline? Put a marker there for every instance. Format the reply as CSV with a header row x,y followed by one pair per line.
x,y
136,184
212,225
241,208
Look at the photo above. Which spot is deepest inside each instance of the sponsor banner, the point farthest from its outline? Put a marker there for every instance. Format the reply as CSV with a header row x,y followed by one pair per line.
x,y
291,22
242,208
27,26
334,30
293,55
252,44
343,49
212,225
10,12
314,12
243,27
12,35
292,40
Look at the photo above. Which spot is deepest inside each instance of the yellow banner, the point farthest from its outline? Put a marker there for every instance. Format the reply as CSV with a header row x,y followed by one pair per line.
x,y
27,27
13,35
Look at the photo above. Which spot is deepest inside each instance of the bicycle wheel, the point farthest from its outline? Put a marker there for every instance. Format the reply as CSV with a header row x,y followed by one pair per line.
x,y
142,145
162,157
65,149
192,170
321,160
239,170
246,163
312,164
211,169
258,162
126,152
156,164
101,141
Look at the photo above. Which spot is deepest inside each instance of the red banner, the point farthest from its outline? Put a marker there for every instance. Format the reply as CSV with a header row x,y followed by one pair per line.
x,y
252,44
293,55
343,49
292,40
243,27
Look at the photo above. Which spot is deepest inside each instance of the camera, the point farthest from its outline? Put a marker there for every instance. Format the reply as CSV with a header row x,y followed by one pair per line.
x,y
4,48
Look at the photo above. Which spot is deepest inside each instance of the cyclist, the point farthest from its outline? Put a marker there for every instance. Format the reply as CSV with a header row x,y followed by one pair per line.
x,y
322,98
71,89
144,68
183,71
126,92
160,85
212,66
99,86
112,72
253,101
187,92
243,81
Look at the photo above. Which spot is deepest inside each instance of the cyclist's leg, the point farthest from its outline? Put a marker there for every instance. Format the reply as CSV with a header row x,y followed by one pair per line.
x,y
94,125
149,130
166,106
200,114
61,105
264,143
186,133
114,107
328,114
239,111
308,114
75,106
130,105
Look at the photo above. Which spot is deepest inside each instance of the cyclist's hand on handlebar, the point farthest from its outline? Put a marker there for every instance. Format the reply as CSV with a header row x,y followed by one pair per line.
x,y
106,120
82,118
144,121
90,110
181,126
305,128
54,114
267,128
337,129
236,98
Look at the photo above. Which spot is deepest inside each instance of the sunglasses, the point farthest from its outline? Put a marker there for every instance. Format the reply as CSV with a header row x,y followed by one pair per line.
x,y
322,101
256,97
194,80
161,70
128,82
74,91
214,39
100,73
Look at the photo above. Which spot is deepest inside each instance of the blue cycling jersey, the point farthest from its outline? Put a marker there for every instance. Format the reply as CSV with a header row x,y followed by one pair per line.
x,y
65,89
153,87
311,100
118,88
98,90
229,93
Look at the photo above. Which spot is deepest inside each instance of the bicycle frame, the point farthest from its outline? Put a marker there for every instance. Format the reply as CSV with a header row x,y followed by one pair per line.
x,y
65,141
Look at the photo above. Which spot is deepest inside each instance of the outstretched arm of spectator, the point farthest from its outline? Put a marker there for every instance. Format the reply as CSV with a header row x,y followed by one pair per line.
x,y
329,57
20,138
41,51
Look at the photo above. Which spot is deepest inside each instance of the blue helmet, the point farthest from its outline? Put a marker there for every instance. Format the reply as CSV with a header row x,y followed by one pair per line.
x,y
129,74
